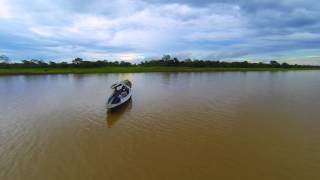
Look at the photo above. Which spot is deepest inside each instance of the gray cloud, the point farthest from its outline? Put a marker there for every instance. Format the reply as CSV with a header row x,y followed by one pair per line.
x,y
217,29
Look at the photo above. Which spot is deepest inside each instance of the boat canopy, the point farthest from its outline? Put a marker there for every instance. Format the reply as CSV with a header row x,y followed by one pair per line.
x,y
122,83
114,86
127,83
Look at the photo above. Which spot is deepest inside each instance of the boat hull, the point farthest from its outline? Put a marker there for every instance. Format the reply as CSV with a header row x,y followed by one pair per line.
x,y
117,98
113,108
123,101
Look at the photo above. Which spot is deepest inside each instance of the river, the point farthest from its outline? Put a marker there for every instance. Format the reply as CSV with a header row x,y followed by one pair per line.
x,y
223,125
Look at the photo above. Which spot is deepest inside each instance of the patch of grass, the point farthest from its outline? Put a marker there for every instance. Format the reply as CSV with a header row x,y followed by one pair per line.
x,y
137,69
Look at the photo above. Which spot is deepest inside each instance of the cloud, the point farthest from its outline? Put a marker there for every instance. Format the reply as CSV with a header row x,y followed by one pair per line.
x,y
304,36
4,9
229,29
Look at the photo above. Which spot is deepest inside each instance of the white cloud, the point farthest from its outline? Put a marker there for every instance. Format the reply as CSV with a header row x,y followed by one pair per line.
x,y
141,27
4,9
216,36
69,52
42,31
64,29
304,60
153,27
304,36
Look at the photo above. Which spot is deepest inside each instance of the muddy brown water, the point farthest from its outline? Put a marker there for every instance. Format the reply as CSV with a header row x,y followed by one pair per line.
x,y
228,125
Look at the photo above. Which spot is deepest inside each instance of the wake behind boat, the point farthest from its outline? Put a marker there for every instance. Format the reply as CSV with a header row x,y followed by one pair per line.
x,y
121,93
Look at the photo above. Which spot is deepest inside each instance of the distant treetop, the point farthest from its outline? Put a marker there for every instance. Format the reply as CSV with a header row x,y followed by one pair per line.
x,y
4,59
166,60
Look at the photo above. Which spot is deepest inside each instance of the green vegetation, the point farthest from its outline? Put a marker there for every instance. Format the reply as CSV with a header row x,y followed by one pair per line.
x,y
137,69
166,64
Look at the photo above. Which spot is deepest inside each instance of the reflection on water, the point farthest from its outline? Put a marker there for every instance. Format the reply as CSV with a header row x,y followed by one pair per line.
x,y
225,125
114,115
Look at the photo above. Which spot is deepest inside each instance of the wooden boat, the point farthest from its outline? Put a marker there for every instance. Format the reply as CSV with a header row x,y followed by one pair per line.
x,y
122,92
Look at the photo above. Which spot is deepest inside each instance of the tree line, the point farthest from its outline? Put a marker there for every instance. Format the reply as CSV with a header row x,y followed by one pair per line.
x,y
166,60
77,62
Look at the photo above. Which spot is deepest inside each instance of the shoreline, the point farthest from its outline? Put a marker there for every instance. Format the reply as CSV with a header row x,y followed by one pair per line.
x,y
139,69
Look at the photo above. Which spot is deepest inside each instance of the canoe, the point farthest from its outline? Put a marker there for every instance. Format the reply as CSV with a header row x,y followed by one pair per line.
x,y
122,92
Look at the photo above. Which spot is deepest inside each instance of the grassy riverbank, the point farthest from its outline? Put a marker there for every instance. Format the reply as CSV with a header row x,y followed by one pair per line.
x,y
137,69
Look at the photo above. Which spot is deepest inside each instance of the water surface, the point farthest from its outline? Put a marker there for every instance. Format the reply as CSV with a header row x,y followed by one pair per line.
x,y
227,125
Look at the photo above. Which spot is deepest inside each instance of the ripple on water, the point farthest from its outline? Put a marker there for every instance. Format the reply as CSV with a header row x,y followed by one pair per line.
x,y
177,126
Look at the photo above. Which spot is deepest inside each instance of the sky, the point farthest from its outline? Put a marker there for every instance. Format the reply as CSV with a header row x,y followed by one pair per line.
x,y
135,30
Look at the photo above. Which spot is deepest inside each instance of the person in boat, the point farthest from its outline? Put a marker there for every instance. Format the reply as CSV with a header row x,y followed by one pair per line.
x,y
124,92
